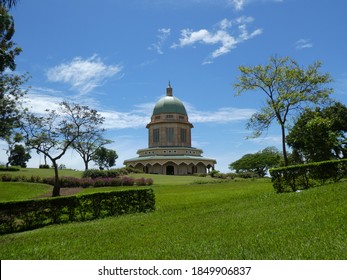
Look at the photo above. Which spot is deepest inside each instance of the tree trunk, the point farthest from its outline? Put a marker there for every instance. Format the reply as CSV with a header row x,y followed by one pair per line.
x,y
284,149
85,165
56,188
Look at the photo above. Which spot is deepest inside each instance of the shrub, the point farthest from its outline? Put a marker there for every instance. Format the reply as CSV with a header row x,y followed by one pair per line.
x,y
6,177
9,168
149,181
214,173
140,182
304,176
44,166
96,173
18,216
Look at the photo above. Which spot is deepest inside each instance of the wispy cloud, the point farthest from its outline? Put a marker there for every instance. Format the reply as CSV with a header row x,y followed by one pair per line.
x,y
239,5
303,44
83,75
222,115
220,35
140,114
163,34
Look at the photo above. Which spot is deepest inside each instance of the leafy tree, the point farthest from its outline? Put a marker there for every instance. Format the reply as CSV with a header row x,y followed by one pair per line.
x,y
259,162
54,133
288,89
105,158
320,134
19,156
88,144
12,140
11,91
8,3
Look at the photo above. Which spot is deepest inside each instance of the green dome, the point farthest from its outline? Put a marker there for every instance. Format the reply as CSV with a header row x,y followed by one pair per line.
x,y
169,104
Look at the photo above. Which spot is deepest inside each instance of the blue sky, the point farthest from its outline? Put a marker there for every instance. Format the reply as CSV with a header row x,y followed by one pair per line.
x,y
117,56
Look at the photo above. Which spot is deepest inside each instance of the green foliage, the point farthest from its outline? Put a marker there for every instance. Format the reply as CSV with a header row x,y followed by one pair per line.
x,y
73,182
9,50
44,166
214,173
25,215
258,163
320,134
11,90
96,173
105,158
19,156
304,176
287,87
10,168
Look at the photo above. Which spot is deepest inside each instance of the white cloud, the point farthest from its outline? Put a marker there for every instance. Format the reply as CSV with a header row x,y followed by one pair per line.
x,y
222,115
222,36
140,114
239,5
303,44
83,74
164,33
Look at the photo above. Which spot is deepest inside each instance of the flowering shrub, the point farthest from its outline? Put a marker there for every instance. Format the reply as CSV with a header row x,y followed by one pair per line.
x,y
72,182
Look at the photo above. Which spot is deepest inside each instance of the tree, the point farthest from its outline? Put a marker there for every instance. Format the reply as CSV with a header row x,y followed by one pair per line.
x,y
19,156
258,163
8,3
11,90
320,134
88,144
54,133
288,89
105,158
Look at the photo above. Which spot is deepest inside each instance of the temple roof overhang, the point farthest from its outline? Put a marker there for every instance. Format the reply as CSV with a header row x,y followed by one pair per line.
x,y
161,160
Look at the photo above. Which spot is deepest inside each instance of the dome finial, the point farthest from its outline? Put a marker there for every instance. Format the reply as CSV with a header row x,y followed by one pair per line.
x,y
169,90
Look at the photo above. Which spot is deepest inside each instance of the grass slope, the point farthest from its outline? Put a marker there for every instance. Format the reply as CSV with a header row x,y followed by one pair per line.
x,y
234,220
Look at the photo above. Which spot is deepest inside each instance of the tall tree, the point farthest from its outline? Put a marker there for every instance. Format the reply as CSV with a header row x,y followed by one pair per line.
x,y
54,133
288,89
87,145
320,134
11,90
105,158
19,156
259,162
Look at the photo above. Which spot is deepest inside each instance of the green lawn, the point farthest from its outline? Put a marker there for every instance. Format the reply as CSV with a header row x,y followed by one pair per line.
x,y
44,173
21,191
231,220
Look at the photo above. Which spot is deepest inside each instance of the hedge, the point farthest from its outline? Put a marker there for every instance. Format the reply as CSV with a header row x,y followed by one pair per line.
x,y
304,176
73,182
18,216
9,168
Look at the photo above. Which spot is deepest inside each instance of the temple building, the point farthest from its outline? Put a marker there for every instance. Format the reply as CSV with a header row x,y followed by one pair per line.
x,y
169,142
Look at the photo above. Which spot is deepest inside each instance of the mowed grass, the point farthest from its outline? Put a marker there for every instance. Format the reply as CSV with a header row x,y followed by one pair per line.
x,y
21,191
231,220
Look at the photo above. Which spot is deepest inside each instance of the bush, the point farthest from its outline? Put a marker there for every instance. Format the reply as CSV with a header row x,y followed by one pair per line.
x,y
96,173
140,182
44,166
304,176
18,216
10,168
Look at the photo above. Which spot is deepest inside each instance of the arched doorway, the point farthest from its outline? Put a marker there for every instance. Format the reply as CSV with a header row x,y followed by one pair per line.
x,y
170,170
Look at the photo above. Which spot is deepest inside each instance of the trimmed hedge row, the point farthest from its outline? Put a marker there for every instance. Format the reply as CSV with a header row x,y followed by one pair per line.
x,y
9,168
73,182
112,173
18,216
304,176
